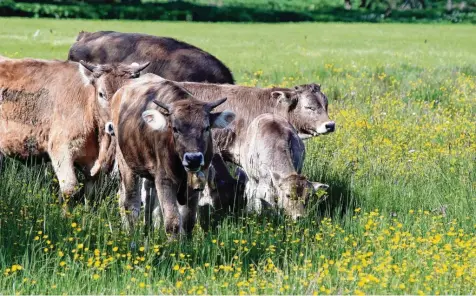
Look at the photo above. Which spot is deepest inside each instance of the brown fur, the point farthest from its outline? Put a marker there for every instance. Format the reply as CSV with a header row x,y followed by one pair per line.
x,y
48,111
158,155
250,102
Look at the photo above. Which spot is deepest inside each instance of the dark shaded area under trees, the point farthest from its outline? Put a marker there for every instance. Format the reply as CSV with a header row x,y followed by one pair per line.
x,y
249,11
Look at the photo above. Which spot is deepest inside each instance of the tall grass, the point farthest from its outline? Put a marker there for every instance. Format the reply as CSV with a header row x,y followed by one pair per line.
x,y
401,166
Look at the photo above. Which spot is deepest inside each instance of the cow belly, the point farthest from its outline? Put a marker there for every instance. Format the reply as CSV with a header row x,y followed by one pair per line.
x,y
85,151
22,141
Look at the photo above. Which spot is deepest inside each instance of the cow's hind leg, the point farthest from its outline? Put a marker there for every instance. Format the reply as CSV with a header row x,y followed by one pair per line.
x,y
2,159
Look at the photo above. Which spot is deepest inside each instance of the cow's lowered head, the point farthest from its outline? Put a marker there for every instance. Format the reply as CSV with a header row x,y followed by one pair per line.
x,y
293,192
190,122
305,106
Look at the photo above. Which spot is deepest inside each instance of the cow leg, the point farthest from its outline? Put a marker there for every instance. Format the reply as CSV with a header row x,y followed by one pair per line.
x,y
2,159
188,212
167,197
63,165
152,217
129,200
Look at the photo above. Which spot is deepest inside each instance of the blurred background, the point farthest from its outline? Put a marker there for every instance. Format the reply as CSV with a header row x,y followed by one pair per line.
x,y
249,10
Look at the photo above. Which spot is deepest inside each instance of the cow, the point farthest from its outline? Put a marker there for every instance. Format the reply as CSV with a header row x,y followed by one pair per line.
x,y
49,111
272,159
169,58
163,135
304,107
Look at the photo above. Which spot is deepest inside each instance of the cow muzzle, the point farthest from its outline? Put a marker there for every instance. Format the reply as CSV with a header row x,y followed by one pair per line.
x,y
193,161
325,128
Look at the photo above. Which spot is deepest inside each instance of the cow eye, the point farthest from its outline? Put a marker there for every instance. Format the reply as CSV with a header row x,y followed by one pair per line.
x,y
101,95
311,108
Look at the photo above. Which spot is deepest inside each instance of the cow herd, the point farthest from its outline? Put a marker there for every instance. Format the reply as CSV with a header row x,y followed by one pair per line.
x,y
168,118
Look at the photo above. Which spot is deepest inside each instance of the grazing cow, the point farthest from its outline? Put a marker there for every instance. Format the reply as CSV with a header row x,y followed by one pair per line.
x,y
48,110
304,106
272,159
170,58
163,134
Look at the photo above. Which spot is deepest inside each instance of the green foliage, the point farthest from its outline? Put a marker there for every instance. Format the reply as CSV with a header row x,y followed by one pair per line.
x,y
400,214
231,11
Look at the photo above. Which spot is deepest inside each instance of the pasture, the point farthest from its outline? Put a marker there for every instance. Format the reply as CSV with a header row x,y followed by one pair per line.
x,y
400,216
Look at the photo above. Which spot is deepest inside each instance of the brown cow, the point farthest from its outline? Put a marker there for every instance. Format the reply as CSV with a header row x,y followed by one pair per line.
x,y
304,106
162,144
170,58
49,111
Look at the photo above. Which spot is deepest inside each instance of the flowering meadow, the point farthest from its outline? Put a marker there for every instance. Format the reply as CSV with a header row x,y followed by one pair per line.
x,y
400,213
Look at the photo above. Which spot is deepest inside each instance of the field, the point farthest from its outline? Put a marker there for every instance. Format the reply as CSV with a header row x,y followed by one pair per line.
x,y
401,169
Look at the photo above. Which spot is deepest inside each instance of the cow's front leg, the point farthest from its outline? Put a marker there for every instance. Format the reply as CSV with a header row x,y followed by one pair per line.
x,y
188,211
129,200
167,196
63,165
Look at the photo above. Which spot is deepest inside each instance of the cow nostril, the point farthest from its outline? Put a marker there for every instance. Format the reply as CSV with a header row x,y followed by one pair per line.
x,y
330,126
193,160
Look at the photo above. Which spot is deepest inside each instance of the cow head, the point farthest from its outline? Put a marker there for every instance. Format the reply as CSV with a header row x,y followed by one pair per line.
x,y
306,109
293,193
190,122
108,78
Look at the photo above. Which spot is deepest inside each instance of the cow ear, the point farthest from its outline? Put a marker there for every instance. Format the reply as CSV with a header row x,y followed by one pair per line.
x,y
87,72
155,119
285,97
109,128
221,119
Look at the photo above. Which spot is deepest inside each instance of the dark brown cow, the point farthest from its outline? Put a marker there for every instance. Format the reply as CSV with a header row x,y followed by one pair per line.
x,y
170,58
49,111
162,132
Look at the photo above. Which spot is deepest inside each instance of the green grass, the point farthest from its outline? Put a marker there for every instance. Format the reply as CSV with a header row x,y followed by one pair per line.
x,y
401,166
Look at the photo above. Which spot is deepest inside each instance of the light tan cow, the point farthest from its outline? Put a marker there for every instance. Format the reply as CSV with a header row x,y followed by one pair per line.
x,y
49,110
272,156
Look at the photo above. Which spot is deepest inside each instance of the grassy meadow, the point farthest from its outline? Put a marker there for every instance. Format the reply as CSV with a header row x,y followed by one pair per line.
x,y
400,217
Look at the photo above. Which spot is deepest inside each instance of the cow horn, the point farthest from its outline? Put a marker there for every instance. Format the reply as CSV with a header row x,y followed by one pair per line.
x,y
215,104
88,66
162,105
138,68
